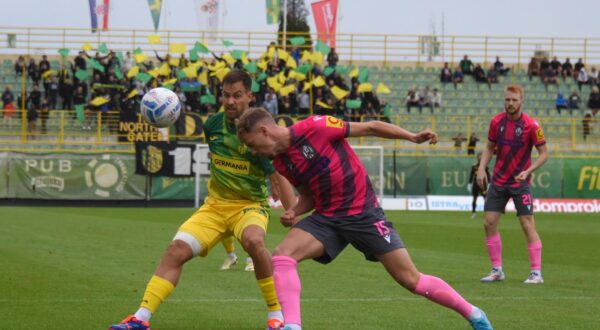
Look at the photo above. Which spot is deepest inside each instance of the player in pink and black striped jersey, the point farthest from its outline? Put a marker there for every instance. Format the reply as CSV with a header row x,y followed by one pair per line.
x,y
316,158
512,136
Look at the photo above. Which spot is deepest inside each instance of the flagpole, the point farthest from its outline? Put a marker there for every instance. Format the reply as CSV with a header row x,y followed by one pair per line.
x,y
285,24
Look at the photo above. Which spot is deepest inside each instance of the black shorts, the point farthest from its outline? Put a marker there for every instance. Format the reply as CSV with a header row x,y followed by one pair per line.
x,y
369,232
497,198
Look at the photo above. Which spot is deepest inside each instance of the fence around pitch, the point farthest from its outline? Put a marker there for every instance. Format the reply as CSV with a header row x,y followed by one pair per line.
x,y
378,49
63,131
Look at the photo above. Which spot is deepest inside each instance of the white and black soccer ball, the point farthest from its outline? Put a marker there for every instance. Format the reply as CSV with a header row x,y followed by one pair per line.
x,y
160,107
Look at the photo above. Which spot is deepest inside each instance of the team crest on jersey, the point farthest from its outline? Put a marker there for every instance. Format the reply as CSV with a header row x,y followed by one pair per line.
x,y
518,131
501,128
539,134
334,122
308,152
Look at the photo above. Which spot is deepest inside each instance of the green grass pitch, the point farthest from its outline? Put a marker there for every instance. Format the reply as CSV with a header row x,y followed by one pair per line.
x,y
73,268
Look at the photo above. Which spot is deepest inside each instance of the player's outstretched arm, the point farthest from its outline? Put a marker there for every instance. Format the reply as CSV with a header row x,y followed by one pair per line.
x,y
485,159
389,131
305,203
282,189
543,156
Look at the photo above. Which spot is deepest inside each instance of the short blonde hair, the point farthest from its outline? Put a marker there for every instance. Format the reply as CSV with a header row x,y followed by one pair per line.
x,y
514,88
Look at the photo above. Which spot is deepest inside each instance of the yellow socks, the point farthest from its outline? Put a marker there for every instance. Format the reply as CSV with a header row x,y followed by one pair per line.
x,y
158,290
267,287
228,244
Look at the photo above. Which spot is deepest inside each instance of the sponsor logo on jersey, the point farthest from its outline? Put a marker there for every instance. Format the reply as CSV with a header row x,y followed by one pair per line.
x,y
308,152
334,122
539,134
231,165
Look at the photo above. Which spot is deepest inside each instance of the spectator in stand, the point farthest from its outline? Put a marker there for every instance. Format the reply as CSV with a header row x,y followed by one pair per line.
x,y
594,99
578,66
7,96
436,98
32,116
34,100
550,77
593,76
446,74
44,65
458,140
79,97
52,92
492,77
412,100
472,143
466,65
44,115
426,98
544,66
533,69
7,116
65,90
303,100
332,58
582,78
129,62
556,66
561,102
458,77
80,62
286,106
33,72
499,66
574,102
20,66
271,102
479,75
588,119
567,69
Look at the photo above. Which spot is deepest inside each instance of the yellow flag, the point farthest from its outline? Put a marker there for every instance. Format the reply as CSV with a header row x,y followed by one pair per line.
x,y
217,66
300,76
221,73
229,59
324,105
282,54
170,81
319,82
262,65
317,58
365,87
140,58
203,77
382,89
86,47
353,73
281,77
291,63
307,86
154,72
273,82
98,101
133,93
165,69
245,58
306,56
271,52
48,73
153,39
133,72
338,92
177,48
174,61
190,72
285,91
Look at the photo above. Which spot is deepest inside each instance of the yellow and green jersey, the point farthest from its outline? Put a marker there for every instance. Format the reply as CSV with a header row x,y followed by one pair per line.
x,y
235,173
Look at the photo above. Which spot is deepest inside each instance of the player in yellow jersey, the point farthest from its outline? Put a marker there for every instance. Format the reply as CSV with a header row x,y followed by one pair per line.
x,y
236,206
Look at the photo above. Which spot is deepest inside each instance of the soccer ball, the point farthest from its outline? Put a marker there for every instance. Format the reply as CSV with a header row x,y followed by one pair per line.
x,y
160,107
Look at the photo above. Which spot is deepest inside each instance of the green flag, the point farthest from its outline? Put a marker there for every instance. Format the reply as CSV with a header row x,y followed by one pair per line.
x,y
297,41
322,48
155,9
181,75
79,112
120,57
168,86
96,65
304,68
387,110
193,55
262,76
238,54
341,70
143,77
353,104
102,49
255,87
363,75
251,67
64,52
118,72
201,48
81,75
273,12
328,71
138,51
208,99
227,43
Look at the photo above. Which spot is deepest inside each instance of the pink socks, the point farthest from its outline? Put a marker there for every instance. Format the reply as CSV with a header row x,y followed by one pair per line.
x,y
494,246
288,287
535,255
436,290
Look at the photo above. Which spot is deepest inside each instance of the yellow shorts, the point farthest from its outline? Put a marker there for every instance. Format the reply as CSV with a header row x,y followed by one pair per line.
x,y
219,218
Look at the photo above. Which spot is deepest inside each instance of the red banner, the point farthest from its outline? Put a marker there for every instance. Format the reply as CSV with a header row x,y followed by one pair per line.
x,y
325,13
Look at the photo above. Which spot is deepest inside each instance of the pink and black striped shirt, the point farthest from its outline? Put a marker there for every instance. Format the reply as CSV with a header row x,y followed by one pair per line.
x,y
320,157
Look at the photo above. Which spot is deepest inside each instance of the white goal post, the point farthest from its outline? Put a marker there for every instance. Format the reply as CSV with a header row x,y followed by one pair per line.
x,y
370,156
